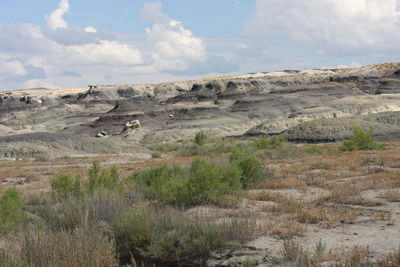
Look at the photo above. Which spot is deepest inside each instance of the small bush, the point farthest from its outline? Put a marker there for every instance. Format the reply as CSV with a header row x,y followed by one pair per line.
x,y
164,183
210,183
203,183
65,185
200,138
249,166
12,215
267,143
317,149
101,178
361,140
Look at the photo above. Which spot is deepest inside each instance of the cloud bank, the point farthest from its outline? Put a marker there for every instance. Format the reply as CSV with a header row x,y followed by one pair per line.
x,y
297,29
279,34
68,55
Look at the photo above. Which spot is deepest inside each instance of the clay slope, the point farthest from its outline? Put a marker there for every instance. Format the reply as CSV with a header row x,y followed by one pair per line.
x,y
305,106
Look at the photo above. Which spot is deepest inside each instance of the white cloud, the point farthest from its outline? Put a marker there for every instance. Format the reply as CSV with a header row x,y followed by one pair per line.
x,y
104,52
90,29
331,26
173,46
172,40
152,11
66,55
55,19
11,68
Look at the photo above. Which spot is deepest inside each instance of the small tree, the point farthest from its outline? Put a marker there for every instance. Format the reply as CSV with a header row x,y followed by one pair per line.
x,y
12,215
65,185
249,166
200,138
361,140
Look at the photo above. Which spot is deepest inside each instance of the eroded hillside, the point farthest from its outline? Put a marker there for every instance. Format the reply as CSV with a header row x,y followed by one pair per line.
x,y
306,106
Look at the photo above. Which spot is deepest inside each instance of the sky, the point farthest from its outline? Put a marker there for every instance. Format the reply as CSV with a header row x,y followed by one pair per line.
x,y
73,43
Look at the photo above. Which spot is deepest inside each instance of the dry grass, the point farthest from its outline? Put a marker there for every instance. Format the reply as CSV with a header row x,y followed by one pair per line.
x,y
287,183
304,212
287,228
69,249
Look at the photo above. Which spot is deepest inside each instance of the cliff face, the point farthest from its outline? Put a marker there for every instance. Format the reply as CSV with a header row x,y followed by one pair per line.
x,y
307,106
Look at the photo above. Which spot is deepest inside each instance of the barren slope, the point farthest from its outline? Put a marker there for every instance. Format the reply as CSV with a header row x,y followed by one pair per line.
x,y
306,106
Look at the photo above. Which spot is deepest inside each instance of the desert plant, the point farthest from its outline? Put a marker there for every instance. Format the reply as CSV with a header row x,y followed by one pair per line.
x,y
64,185
203,182
69,249
361,140
210,183
164,236
163,183
102,178
249,166
267,143
318,149
12,215
200,138
89,210
295,253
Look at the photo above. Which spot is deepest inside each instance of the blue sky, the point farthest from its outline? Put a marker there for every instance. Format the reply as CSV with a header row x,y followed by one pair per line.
x,y
72,43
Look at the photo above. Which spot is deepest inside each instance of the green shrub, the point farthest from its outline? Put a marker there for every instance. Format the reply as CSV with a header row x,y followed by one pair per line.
x,y
249,166
267,143
101,178
318,149
361,140
163,183
200,138
210,183
65,185
12,215
203,183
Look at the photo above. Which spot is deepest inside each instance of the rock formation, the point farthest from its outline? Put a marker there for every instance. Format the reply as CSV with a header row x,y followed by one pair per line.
x,y
316,105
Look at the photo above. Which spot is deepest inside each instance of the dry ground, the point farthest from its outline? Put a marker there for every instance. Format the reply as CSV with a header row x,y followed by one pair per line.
x,y
349,202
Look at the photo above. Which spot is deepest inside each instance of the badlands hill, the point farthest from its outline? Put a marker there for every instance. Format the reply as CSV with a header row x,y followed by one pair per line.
x,y
313,105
